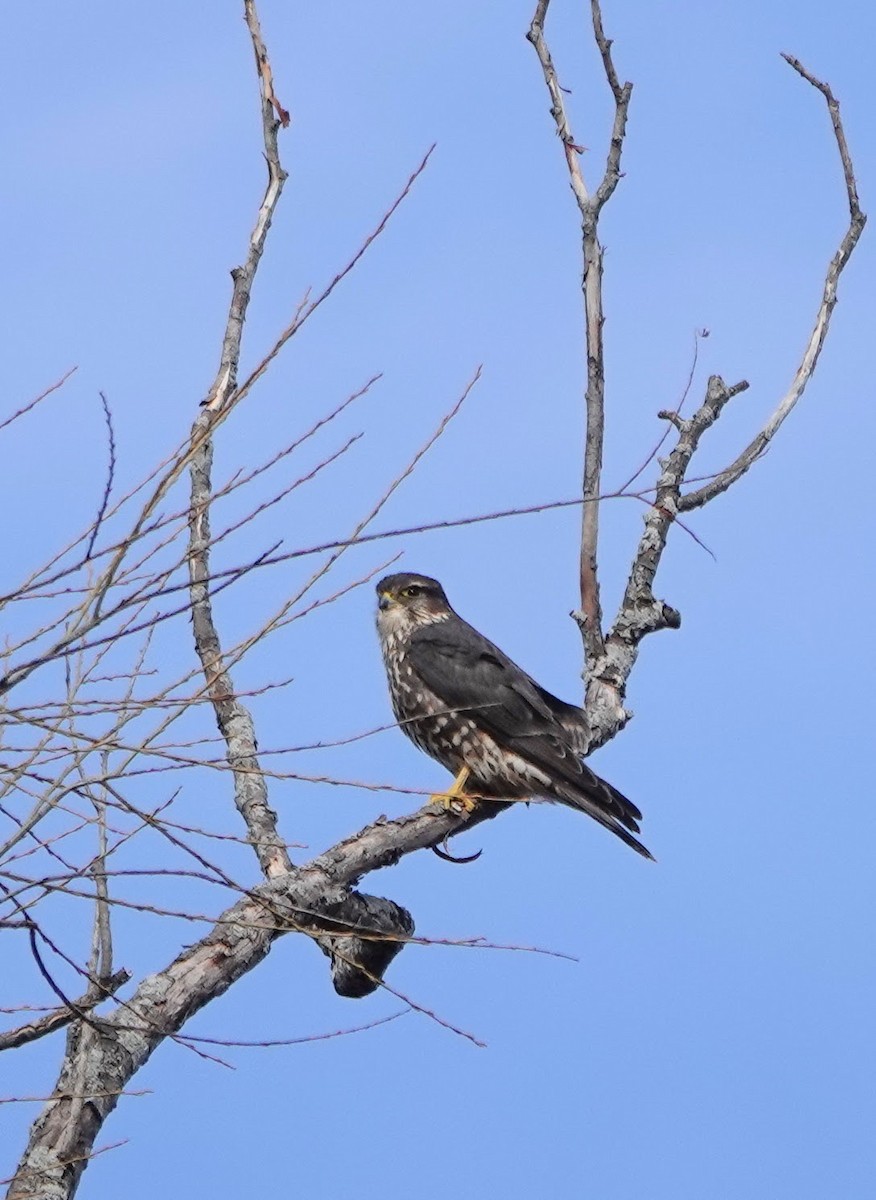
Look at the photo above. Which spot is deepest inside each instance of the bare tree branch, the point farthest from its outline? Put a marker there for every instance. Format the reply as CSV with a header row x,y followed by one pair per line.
x,y
590,206
857,220
307,307
60,1017
110,475
86,616
640,612
315,899
31,404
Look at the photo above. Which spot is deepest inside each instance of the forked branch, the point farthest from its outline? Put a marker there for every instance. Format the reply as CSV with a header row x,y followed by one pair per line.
x,y
589,206
232,716
809,361
640,612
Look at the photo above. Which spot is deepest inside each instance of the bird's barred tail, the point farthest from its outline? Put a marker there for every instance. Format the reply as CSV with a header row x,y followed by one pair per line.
x,y
605,804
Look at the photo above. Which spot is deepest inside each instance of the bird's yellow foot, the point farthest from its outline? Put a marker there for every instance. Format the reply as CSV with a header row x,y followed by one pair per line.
x,y
456,802
456,799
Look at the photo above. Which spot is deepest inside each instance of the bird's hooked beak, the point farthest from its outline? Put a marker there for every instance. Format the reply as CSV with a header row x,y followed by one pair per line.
x,y
385,601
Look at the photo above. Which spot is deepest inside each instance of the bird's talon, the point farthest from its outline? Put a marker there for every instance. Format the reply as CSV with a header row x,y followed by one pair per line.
x,y
458,803
456,799
444,853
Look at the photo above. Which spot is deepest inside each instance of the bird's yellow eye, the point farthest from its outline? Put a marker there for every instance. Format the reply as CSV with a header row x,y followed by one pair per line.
x,y
413,590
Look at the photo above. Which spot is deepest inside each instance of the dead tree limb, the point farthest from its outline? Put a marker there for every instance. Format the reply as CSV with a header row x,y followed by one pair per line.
x,y
809,361
590,205
233,718
610,657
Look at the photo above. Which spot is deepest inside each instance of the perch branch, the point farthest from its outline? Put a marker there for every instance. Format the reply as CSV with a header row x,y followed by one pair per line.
x,y
316,899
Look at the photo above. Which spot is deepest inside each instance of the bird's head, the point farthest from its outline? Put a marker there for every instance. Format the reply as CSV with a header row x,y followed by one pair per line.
x,y
405,601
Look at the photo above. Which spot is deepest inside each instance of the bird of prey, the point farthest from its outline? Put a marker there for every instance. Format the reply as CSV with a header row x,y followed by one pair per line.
x,y
463,701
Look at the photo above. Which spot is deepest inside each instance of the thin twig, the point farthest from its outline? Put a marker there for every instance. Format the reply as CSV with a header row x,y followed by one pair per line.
x,y
296,1041
26,408
59,1017
110,476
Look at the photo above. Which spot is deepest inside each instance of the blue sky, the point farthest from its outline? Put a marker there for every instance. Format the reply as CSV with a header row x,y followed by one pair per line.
x,y
714,1037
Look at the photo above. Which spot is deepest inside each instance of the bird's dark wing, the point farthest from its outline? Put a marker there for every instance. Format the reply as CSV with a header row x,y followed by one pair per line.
x,y
572,719
469,673
466,671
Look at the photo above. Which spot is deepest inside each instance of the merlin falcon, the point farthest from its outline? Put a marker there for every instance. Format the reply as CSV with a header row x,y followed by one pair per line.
x,y
463,701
